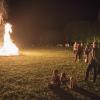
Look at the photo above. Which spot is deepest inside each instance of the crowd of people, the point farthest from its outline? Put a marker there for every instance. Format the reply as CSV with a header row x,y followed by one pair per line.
x,y
85,52
90,54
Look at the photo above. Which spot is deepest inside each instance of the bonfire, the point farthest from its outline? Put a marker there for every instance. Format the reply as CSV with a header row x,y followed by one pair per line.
x,y
8,48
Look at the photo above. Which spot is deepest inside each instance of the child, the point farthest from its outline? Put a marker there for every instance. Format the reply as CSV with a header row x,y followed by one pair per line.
x,y
63,79
55,82
72,83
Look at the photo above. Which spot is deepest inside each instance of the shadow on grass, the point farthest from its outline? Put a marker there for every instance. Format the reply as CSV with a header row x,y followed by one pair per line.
x,y
86,93
63,95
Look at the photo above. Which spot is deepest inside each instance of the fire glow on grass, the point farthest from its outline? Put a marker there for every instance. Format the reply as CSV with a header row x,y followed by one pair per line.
x,y
8,48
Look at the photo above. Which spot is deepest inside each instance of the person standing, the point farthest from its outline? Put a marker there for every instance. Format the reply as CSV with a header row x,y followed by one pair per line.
x,y
82,50
75,50
93,63
87,52
78,55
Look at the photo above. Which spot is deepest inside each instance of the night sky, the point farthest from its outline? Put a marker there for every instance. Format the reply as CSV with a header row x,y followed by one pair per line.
x,y
43,21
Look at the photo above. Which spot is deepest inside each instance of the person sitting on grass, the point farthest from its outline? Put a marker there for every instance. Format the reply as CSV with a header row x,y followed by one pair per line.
x,y
55,81
72,83
63,79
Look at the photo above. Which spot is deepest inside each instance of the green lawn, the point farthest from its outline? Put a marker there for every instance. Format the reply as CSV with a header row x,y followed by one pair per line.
x,y
26,77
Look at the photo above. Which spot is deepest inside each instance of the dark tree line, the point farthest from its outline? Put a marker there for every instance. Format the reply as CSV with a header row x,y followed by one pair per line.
x,y
82,30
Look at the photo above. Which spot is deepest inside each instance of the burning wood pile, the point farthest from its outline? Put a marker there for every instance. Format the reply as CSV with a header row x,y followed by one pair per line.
x,y
8,48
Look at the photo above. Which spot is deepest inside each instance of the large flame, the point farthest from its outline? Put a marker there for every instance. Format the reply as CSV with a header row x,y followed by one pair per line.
x,y
8,48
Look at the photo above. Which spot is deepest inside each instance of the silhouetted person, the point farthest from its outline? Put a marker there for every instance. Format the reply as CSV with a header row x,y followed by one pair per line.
x,y
87,52
75,50
91,65
72,83
63,79
75,47
82,50
78,54
94,62
55,81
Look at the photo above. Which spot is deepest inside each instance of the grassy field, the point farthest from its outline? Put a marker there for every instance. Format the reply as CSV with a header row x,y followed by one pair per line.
x,y
26,77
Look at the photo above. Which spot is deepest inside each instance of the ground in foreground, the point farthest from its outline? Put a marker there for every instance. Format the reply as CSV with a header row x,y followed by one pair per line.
x,y
26,77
